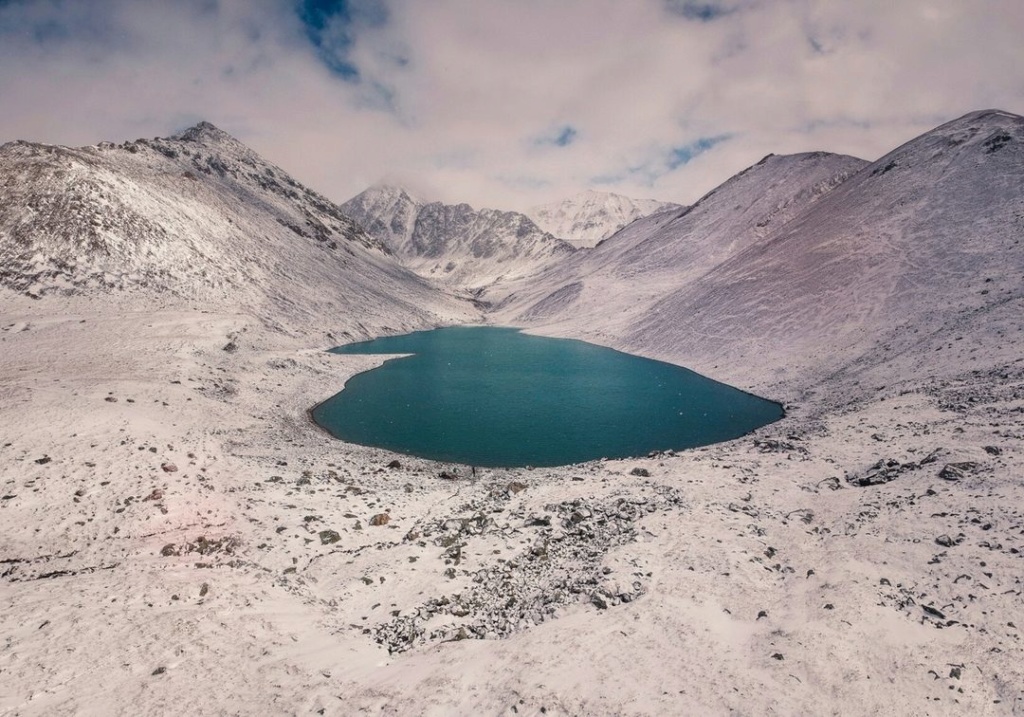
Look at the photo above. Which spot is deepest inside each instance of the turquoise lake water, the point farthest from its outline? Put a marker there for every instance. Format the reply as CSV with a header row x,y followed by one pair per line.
x,y
489,396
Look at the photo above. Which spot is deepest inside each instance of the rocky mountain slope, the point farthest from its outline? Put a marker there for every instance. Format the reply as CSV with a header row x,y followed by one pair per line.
x,y
609,288
455,245
587,219
200,217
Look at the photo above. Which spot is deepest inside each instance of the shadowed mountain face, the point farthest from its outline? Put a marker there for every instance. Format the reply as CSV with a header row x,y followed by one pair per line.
x,y
455,244
198,215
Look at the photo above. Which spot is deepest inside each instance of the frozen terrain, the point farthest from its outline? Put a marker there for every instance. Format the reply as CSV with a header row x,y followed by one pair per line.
x,y
177,537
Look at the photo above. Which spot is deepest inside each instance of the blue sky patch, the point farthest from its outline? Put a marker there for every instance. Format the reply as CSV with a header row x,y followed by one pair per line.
x,y
561,136
678,156
331,26
666,162
700,11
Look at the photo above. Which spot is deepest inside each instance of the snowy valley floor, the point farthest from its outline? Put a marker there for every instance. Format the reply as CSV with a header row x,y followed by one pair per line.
x,y
177,538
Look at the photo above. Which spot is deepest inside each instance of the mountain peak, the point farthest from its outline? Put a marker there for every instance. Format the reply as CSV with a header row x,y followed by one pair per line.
x,y
588,218
205,132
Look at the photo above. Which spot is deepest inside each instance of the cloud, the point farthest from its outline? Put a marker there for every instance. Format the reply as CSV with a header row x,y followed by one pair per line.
x,y
508,104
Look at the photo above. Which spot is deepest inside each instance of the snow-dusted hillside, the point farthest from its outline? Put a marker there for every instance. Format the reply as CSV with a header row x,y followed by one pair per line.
x,y
455,244
602,292
916,252
588,218
200,217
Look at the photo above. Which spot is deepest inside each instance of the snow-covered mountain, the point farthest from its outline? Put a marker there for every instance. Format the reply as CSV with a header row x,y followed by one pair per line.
x,y
806,265
588,218
198,216
455,244
909,254
607,289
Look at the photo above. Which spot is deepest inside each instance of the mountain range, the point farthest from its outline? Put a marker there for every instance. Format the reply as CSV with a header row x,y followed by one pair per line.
x,y
807,262
455,245
590,217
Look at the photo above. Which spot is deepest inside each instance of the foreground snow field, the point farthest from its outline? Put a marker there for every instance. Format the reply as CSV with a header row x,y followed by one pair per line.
x,y
177,537
760,577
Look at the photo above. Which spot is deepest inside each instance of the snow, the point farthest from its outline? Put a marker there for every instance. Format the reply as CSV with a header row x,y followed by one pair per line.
x,y
455,245
590,217
111,604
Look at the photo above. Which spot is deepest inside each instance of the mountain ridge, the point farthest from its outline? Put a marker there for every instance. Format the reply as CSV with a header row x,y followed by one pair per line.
x,y
199,216
454,244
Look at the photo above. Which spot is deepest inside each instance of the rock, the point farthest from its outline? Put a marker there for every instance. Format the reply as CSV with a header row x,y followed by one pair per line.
x,y
160,670
204,589
957,471
169,550
642,472
44,460
945,541
380,519
395,464
597,599
329,536
762,613
993,450
230,347
933,612
157,494
110,399
516,487
884,471
169,468
777,656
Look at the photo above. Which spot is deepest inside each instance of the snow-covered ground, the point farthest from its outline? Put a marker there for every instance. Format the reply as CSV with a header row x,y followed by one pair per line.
x,y
177,537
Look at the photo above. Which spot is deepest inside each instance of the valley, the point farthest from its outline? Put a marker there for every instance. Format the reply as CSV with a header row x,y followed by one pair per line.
x,y
178,536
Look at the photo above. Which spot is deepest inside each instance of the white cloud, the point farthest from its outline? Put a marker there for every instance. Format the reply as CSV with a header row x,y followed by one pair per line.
x,y
453,94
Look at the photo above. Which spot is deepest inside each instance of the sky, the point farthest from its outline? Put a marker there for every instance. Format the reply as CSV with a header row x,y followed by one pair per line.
x,y
509,103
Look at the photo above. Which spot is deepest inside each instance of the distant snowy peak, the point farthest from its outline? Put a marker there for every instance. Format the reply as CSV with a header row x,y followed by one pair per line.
x,y
387,213
454,243
590,217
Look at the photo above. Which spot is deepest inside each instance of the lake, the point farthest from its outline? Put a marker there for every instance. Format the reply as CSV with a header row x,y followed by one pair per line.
x,y
489,396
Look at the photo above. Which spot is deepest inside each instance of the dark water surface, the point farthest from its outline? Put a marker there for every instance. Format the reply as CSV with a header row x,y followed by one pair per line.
x,y
491,396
